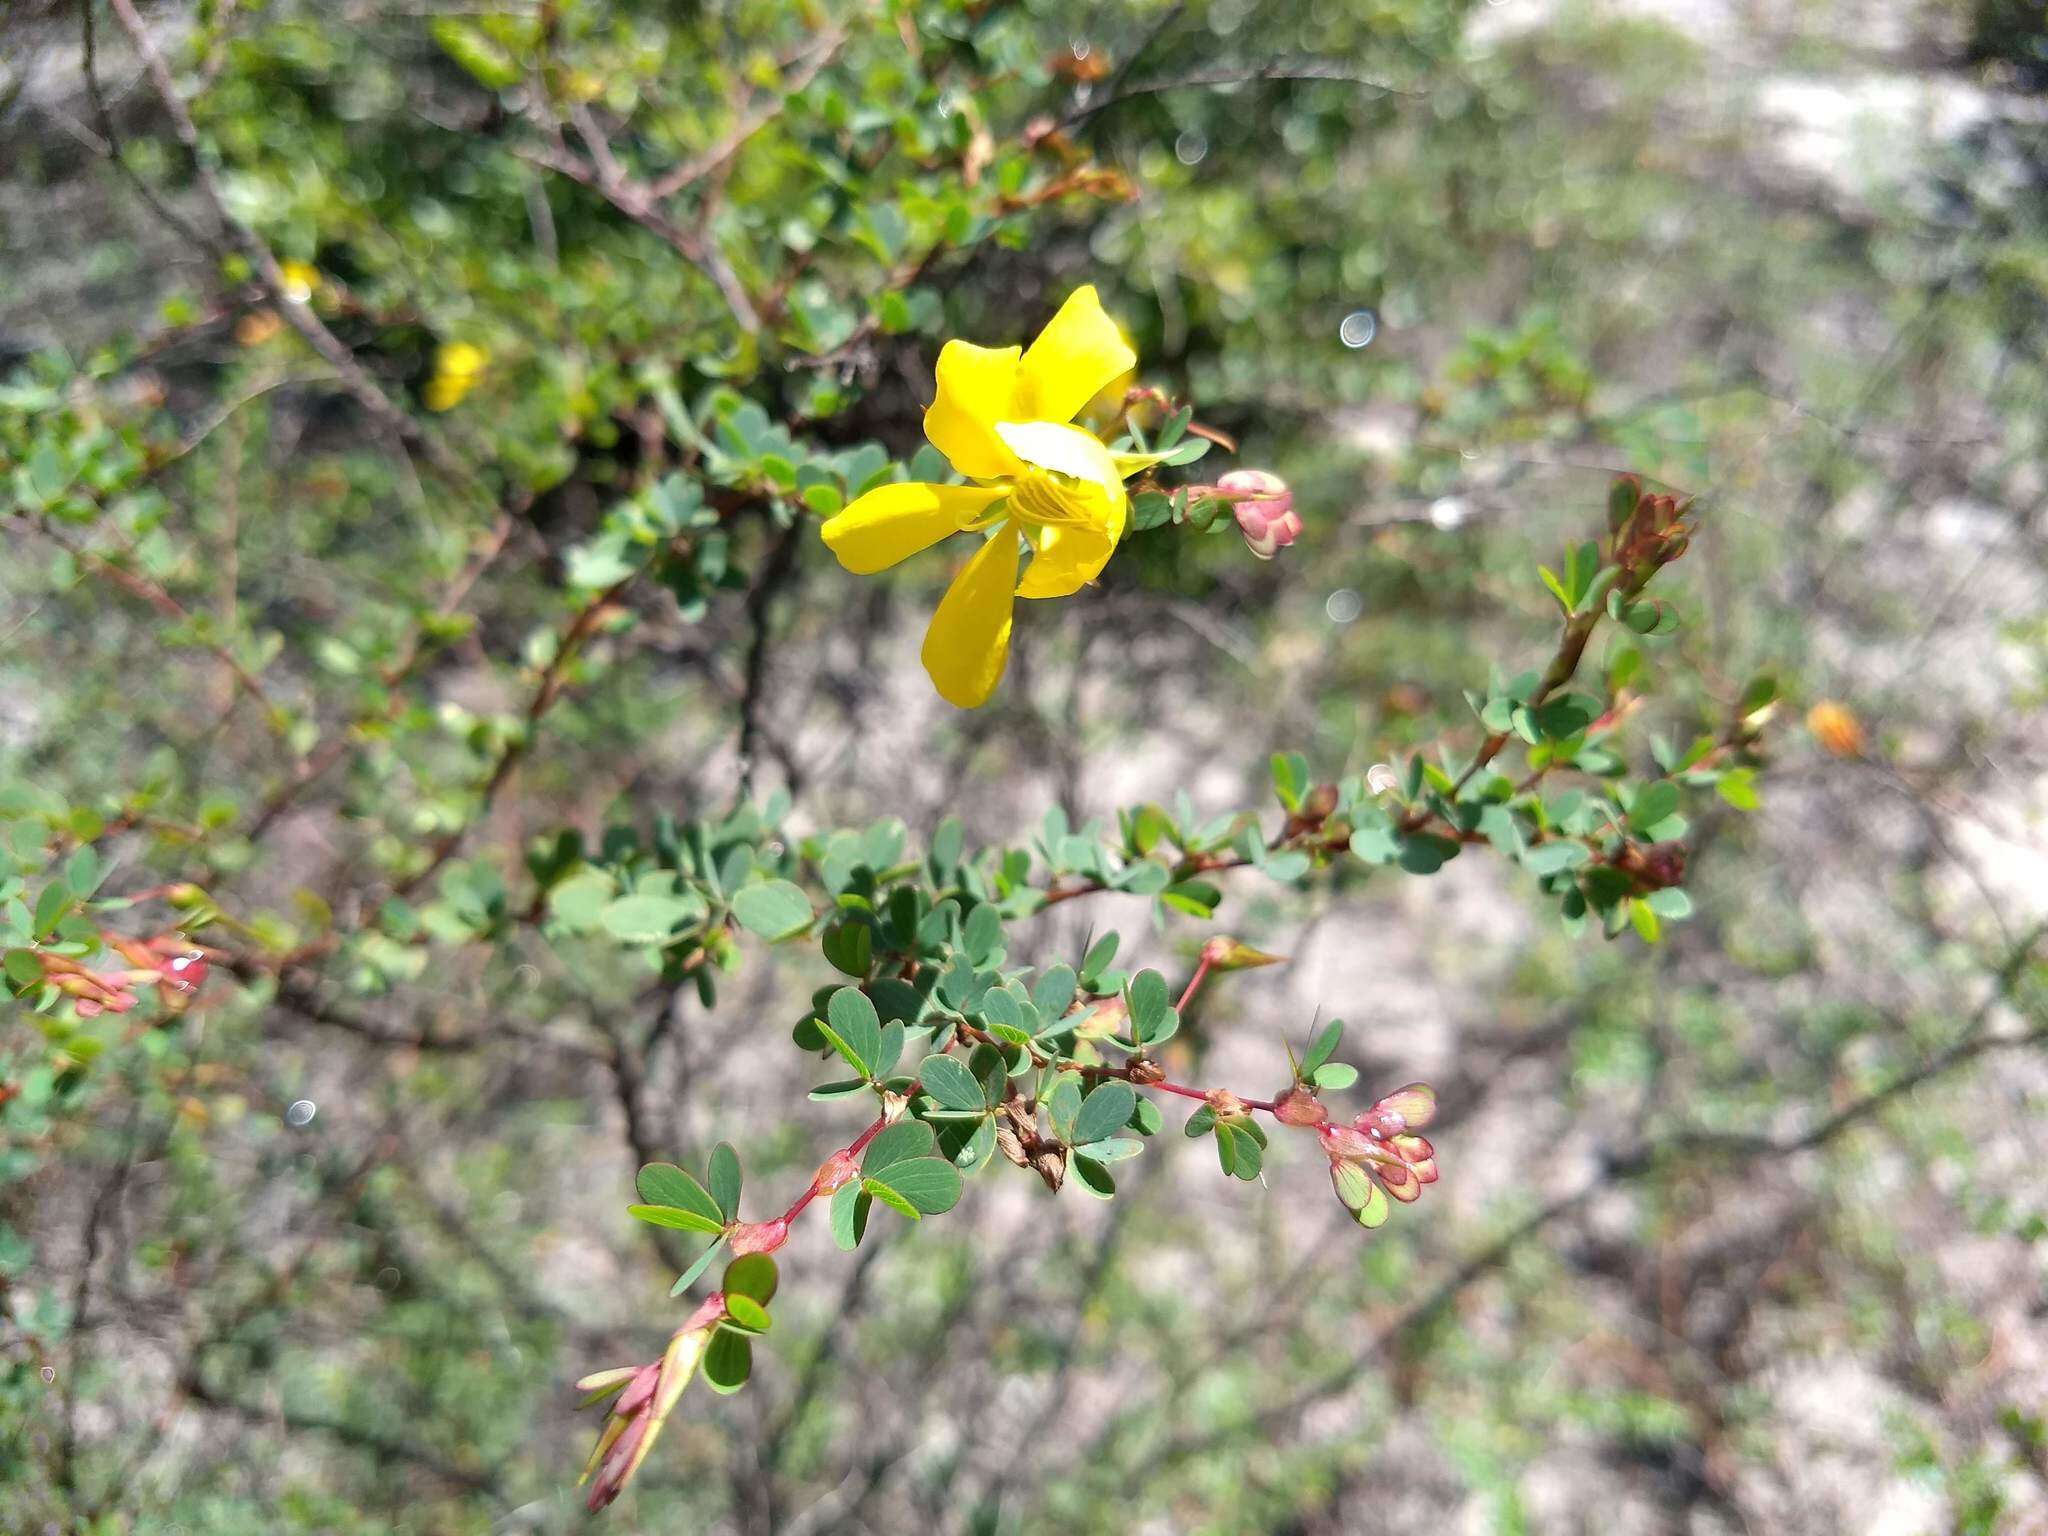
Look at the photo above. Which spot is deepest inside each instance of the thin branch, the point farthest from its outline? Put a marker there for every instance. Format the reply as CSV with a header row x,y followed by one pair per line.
x,y
354,377
514,751
105,117
636,204
804,69
145,590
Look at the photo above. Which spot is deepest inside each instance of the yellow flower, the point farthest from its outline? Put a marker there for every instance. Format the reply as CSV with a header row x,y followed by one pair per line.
x,y
1003,419
299,281
457,367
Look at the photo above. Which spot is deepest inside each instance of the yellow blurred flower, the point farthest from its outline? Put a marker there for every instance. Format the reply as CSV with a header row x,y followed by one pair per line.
x,y
1003,419
1835,728
457,367
299,281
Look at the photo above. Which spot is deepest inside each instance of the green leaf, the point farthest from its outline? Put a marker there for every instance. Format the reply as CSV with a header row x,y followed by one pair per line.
x,y
1103,1112
841,1088
950,1084
849,1216
82,871
898,1143
930,1184
1053,993
1238,1149
1150,1006
1424,853
855,1030
1197,898
728,1361
772,909
850,946
651,919
746,1313
1335,1075
697,1267
972,1154
666,1184
1290,778
1566,715
1092,1177
1652,803
724,1180
1201,1122
1099,957
1738,787
671,1216
1320,1049
1648,929
1062,1104
752,1275
900,1204
1672,904
578,903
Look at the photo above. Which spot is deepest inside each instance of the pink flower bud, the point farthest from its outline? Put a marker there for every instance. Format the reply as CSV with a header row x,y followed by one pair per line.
x,y
1378,1122
184,973
835,1173
1343,1143
758,1236
1264,509
1300,1107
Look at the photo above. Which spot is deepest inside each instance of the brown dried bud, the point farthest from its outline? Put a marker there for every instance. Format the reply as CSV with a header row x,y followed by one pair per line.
x,y
1144,1072
1227,1105
1651,866
1051,1164
1011,1145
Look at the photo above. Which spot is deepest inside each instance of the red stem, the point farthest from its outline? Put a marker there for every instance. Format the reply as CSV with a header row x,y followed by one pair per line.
x,y
852,1149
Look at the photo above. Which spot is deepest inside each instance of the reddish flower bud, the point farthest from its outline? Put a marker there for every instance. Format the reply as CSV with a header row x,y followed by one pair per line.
x,y
1300,1107
1264,509
1343,1143
835,1173
640,1409
1223,953
184,973
758,1236
1414,1106
1399,1179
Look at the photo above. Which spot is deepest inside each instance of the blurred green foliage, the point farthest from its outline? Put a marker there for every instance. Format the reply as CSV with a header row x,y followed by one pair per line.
x,y
460,735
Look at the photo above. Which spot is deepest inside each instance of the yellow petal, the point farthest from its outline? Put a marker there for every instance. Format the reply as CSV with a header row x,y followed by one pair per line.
x,y
969,640
975,385
893,522
1070,502
1071,451
1067,559
1075,356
